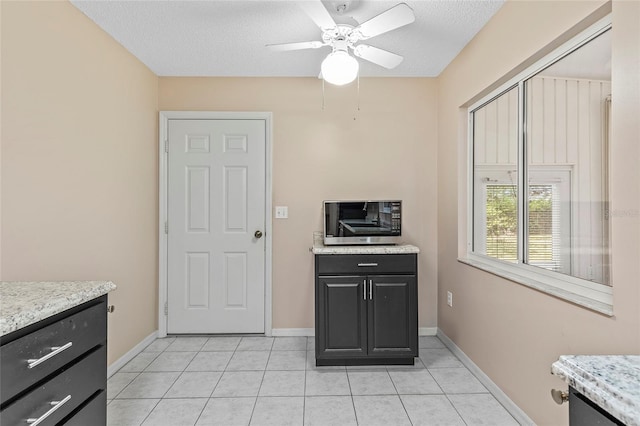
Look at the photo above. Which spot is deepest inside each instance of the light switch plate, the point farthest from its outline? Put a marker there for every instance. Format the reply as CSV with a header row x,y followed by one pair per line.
x,y
282,212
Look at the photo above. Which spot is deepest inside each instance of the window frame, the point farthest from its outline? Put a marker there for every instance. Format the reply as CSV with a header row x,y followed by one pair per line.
x,y
594,296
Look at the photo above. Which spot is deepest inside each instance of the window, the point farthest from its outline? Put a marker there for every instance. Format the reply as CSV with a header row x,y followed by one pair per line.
x,y
539,173
495,162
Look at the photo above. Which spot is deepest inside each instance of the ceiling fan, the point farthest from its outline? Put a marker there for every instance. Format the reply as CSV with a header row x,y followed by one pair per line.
x,y
339,67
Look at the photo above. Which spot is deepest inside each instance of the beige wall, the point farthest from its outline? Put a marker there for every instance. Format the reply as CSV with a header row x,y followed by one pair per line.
x,y
79,173
384,150
511,332
79,163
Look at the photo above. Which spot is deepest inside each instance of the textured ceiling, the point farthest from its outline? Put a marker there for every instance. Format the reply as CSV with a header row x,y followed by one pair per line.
x,y
227,38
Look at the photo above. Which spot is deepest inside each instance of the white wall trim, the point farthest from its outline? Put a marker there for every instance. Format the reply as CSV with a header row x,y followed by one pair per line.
x,y
310,332
164,117
120,362
427,331
520,416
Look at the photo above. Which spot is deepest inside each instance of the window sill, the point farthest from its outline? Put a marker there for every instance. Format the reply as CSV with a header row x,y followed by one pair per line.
x,y
544,287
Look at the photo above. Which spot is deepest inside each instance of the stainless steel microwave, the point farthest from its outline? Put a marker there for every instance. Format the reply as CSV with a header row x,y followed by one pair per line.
x,y
362,222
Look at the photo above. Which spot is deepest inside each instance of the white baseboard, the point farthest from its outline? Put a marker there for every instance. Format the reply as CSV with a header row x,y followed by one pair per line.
x,y
293,332
520,416
120,362
427,331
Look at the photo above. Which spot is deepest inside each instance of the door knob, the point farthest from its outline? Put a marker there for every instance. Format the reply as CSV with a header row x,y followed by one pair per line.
x,y
258,234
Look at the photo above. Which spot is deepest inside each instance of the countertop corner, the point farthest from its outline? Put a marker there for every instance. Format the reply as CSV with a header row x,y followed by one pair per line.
x,y
610,381
24,303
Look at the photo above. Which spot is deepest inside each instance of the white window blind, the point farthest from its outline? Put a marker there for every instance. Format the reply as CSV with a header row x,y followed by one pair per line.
x,y
544,242
502,222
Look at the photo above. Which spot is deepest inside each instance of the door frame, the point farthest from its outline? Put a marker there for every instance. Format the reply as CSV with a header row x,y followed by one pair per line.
x,y
163,261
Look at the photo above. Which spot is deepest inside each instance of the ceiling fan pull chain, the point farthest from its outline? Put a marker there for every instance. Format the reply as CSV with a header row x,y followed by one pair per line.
x,y
323,94
358,91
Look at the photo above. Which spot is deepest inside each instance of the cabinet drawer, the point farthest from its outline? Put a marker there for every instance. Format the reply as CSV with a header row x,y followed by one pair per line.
x,y
75,385
364,264
93,413
583,412
73,336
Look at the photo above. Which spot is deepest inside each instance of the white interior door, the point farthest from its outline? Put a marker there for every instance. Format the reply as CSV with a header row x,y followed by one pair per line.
x,y
216,214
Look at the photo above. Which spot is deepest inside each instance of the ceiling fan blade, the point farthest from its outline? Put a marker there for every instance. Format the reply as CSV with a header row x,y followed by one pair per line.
x,y
377,56
284,47
318,13
396,17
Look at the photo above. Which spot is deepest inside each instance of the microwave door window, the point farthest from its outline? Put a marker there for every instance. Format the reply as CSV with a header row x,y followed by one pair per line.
x,y
349,217
363,219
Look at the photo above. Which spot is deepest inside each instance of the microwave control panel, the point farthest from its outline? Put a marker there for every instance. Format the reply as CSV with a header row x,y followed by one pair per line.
x,y
396,217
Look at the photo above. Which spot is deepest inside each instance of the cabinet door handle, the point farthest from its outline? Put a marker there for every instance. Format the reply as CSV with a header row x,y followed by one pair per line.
x,y
56,405
364,289
56,350
560,397
361,265
370,292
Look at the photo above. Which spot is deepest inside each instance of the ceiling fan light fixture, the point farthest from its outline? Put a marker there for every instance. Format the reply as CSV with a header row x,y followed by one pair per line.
x,y
339,68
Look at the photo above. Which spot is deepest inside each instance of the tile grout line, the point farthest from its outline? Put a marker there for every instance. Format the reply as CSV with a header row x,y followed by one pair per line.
x,y
435,381
255,403
160,399
398,395
219,378
137,373
456,409
150,411
127,385
304,386
218,381
174,382
353,402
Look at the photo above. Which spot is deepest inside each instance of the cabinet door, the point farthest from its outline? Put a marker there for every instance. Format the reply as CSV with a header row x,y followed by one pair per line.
x,y
393,315
342,318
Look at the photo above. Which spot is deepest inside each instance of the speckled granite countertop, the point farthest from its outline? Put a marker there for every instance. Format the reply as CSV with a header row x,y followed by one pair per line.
x,y
25,303
399,249
610,381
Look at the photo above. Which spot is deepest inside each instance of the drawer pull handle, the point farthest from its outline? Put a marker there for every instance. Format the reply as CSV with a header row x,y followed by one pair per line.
x,y
56,350
370,292
56,405
560,397
364,289
367,264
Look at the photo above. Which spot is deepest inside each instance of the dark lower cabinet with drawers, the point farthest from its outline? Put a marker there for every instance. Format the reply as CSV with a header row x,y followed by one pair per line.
x,y
55,371
366,309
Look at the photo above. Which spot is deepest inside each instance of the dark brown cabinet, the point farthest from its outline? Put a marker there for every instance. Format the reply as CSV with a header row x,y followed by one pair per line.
x,y
55,371
366,309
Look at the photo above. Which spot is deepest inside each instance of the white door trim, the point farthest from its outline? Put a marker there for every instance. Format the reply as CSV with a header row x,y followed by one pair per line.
x,y
164,118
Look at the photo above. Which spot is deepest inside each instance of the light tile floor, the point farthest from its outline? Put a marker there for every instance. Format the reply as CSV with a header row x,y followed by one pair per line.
x,y
274,381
